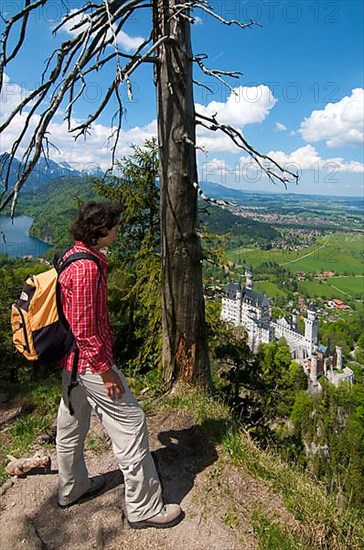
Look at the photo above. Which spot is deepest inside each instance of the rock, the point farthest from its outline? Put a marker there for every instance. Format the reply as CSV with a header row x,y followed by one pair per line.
x,y
38,463
5,486
21,533
99,538
49,436
9,414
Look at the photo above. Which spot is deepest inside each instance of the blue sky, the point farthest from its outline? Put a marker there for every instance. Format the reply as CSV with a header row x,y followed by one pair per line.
x,y
300,98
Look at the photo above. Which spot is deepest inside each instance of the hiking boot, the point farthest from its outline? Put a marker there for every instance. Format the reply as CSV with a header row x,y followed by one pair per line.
x,y
96,484
168,517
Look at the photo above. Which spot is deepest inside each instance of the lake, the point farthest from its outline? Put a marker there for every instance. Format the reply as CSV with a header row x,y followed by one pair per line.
x,y
15,240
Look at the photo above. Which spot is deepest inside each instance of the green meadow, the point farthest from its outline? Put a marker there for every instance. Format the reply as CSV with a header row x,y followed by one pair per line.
x,y
315,289
269,289
350,285
341,253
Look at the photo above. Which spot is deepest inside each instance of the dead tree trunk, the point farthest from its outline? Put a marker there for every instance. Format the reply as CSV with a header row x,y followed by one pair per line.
x,y
185,351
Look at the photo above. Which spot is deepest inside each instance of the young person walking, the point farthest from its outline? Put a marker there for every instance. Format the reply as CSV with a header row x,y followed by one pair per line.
x,y
101,387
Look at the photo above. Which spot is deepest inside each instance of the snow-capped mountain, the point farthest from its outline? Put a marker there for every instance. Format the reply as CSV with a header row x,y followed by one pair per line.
x,y
44,171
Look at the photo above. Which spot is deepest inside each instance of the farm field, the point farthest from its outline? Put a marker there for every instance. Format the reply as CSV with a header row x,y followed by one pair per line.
x,y
335,287
350,285
315,289
341,253
348,242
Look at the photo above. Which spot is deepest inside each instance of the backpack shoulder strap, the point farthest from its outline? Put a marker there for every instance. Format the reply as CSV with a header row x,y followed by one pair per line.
x,y
60,267
73,258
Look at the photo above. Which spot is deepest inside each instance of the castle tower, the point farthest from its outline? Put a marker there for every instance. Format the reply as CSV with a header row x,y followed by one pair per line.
x,y
294,320
313,372
339,357
326,365
311,329
249,278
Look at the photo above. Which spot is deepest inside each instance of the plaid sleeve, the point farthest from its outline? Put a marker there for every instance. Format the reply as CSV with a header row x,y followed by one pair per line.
x,y
84,314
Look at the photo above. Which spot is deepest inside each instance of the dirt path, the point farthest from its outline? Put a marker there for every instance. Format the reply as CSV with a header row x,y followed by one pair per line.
x,y
218,502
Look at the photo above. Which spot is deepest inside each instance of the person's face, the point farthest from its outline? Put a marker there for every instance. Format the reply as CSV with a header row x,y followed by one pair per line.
x,y
109,238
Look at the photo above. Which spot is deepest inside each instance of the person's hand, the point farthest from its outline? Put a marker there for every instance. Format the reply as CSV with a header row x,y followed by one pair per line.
x,y
113,384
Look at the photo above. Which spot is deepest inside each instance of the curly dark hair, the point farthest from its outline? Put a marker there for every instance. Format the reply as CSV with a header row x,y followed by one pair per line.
x,y
94,220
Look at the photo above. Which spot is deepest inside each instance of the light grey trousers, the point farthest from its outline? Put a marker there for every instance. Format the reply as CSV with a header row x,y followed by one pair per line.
x,y
124,421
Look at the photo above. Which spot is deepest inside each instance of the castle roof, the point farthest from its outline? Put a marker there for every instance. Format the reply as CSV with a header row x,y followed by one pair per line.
x,y
231,290
286,321
255,298
249,297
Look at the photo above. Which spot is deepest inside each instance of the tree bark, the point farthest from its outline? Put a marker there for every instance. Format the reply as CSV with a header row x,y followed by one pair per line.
x,y
185,352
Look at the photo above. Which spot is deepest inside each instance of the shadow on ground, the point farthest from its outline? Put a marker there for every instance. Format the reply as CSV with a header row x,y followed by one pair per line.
x,y
184,454
180,456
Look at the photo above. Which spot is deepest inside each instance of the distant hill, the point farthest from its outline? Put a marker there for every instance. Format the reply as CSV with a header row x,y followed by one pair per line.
x,y
280,201
242,230
54,205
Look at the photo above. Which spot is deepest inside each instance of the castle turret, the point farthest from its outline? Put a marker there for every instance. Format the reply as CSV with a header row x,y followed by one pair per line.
x,y
294,320
311,329
249,278
313,372
326,365
339,357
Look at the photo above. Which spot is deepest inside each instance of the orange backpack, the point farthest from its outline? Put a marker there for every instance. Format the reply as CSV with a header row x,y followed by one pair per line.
x,y
40,329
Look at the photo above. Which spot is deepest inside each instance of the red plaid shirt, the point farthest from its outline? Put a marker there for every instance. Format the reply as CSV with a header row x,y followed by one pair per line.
x,y
83,294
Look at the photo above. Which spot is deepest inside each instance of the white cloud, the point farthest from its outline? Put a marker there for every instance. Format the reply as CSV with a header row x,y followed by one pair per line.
x,y
96,148
280,127
197,20
302,159
129,43
307,158
11,95
338,123
246,105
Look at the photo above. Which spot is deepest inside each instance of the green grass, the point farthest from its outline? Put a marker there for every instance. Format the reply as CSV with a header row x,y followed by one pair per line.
x,y
338,252
350,285
269,289
273,534
349,242
18,437
314,289
96,443
346,287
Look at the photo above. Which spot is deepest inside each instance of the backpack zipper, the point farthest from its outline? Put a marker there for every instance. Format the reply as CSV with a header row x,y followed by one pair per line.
x,y
23,327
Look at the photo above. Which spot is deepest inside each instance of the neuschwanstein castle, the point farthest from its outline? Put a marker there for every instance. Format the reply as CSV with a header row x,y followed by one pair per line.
x,y
242,306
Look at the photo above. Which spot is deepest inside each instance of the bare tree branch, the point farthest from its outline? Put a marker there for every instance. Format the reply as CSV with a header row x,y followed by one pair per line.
x,y
208,9
203,86
23,16
203,196
217,72
96,26
211,123
65,68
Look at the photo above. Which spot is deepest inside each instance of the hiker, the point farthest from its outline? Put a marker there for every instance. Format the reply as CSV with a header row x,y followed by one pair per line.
x,y
83,289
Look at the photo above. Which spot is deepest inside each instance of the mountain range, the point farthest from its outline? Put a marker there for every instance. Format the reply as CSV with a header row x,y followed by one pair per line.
x,y
49,170
44,171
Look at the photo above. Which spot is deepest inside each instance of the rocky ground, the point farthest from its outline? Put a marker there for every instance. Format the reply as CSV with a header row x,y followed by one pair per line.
x,y
218,500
